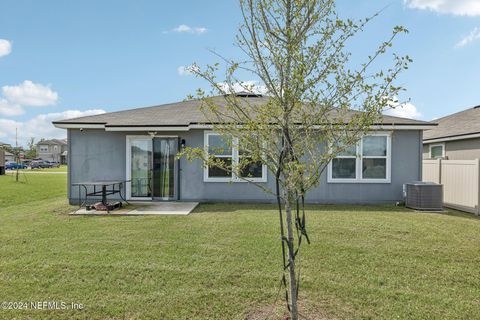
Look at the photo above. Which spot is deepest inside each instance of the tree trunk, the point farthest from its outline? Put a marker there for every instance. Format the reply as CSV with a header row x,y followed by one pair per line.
x,y
291,260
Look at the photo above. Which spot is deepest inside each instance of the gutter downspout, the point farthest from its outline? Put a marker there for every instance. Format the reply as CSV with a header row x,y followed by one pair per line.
x,y
69,163
420,149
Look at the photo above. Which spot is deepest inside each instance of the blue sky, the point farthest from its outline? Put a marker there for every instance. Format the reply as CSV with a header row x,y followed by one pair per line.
x,y
69,58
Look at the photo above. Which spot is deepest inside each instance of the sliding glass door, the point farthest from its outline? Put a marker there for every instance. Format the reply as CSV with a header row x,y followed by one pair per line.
x,y
164,168
141,167
152,167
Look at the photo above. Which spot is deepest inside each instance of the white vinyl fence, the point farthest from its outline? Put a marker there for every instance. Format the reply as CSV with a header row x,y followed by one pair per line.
x,y
460,179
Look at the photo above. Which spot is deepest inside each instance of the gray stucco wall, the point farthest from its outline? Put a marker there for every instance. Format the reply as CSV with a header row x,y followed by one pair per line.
x,y
96,154
405,167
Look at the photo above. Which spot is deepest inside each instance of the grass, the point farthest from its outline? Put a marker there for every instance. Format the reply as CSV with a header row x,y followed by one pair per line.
x,y
222,262
30,189
62,168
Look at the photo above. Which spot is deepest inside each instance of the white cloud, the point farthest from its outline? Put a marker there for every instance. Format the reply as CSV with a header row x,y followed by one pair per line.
x,y
30,94
471,37
5,47
183,28
40,126
252,86
403,110
454,7
187,70
8,109
7,129
26,94
183,71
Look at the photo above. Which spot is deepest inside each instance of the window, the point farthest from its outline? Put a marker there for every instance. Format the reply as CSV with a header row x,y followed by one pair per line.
x,y
222,150
343,166
44,148
374,157
437,151
367,161
229,154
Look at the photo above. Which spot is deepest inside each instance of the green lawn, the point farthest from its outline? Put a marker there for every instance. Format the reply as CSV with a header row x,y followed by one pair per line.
x,y
222,262
30,189
62,168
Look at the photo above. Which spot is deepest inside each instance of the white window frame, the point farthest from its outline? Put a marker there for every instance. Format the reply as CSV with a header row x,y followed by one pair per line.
x,y
43,148
359,163
235,161
345,157
436,145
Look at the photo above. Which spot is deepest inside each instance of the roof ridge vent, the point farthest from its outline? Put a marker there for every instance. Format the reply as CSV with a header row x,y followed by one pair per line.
x,y
246,94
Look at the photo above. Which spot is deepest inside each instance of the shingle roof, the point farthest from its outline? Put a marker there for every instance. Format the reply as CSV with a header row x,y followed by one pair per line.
x,y
183,113
52,142
457,124
60,141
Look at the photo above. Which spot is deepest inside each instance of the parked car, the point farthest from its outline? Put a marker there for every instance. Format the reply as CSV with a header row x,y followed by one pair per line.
x,y
54,164
15,166
40,164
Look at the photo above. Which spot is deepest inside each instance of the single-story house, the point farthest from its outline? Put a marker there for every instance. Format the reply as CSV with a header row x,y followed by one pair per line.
x,y
140,144
456,137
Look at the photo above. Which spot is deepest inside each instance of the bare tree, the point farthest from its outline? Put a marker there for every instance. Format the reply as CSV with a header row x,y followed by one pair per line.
x,y
317,105
31,153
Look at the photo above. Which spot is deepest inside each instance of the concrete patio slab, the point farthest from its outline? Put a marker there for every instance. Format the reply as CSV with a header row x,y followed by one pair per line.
x,y
166,208
144,208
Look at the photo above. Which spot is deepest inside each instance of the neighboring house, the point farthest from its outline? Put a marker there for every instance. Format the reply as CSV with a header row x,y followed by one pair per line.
x,y
456,137
54,150
3,144
9,157
5,156
2,162
140,145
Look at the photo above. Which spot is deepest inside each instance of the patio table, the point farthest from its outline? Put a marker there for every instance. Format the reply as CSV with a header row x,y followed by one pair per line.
x,y
101,188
